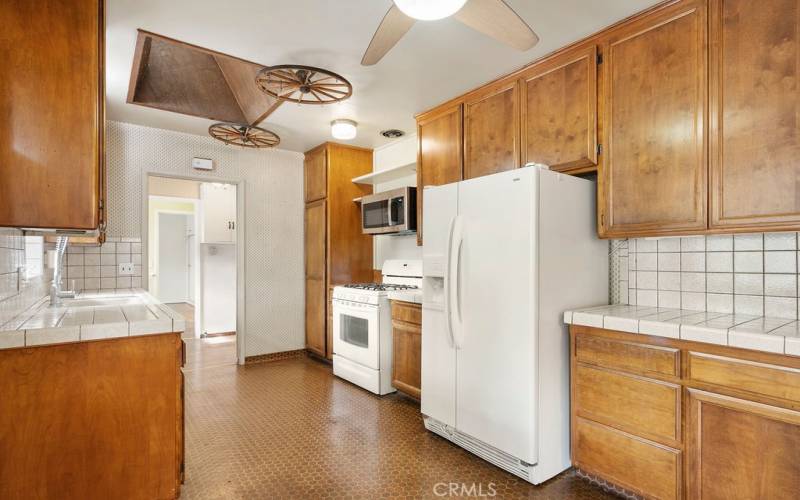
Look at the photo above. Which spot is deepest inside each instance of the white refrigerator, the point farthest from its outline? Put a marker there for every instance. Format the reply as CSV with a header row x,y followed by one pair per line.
x,y
504,255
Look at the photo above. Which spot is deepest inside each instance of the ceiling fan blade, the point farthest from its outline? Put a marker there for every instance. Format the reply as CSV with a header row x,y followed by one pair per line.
x,y
395,24
499,21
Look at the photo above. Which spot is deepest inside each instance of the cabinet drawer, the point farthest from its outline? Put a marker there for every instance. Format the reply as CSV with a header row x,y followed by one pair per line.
x,y
645,407
627,356
751,376
406,311
638,465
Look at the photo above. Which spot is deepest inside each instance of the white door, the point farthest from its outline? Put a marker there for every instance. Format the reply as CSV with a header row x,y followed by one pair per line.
x,y
191,251
219,212
494,311
173,262
438,351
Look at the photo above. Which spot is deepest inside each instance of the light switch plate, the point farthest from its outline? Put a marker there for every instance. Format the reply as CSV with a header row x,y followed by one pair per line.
x,y
126,269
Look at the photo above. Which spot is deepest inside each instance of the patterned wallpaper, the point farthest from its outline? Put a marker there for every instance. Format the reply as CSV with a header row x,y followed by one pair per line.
x,y
754,274
274,307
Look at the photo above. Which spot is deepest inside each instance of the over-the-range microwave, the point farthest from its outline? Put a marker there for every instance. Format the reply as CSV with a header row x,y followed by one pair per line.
x,y
388,212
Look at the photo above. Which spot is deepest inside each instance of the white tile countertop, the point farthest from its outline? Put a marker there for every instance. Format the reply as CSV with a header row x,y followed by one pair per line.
x,y
414,296
92,315
776,335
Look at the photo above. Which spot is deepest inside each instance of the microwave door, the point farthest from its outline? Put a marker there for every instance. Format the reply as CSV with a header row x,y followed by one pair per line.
x,y
374,215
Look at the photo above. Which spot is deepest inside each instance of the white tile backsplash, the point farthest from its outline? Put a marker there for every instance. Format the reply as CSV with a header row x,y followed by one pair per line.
x,y
751,274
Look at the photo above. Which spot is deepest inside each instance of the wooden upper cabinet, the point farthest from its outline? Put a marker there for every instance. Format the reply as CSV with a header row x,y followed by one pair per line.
x,y
316,173
755,114
741,449
491,130
559,111
653,177
52,103
440,151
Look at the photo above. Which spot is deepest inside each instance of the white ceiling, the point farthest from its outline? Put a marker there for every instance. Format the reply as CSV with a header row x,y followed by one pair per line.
x,y
434,62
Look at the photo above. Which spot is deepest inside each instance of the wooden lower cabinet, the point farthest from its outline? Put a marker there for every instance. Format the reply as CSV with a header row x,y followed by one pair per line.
x,y
741,449
666,418
316,333
96,419
407,347
641,466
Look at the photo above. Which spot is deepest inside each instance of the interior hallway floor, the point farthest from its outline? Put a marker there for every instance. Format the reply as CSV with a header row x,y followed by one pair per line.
x,y
205,352
290,429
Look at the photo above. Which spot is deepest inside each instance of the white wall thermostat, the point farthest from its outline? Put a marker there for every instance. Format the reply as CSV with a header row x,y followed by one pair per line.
x,y
203,163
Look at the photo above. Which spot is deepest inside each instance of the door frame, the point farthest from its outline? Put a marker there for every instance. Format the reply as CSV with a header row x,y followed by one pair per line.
x,y
241,327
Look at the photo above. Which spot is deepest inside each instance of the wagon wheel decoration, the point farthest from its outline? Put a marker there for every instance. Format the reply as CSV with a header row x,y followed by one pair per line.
x,y
303,84
248,136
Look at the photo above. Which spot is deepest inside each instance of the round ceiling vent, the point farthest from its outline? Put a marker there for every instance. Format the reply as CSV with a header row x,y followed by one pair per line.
x,y
393,133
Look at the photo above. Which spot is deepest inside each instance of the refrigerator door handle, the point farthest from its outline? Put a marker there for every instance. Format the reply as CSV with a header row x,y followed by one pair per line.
x,y
454,291
447,283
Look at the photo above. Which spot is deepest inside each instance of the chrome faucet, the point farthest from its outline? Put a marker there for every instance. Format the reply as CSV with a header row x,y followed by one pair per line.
x,y
56,294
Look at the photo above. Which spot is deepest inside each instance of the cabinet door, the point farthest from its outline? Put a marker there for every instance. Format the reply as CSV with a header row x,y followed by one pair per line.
x,y
315,316
315,239
52,104
741,449
219,212
440,153
407,358
559,111
316,311
755,114
316,173
653,179
491,130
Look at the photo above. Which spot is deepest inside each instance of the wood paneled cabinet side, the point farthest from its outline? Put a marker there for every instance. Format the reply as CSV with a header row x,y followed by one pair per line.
x,y
349,249
559,111
654,174
440,152
492,129
755,115
96,419
53,102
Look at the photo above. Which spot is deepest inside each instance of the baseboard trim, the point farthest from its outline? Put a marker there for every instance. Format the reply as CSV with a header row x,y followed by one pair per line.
x,y
273,356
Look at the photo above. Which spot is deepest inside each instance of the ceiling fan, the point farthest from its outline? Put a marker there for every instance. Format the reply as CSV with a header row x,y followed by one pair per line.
x,y
490,17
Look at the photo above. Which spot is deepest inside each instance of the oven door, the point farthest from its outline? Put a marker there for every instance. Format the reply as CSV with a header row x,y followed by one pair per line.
x,y
355,332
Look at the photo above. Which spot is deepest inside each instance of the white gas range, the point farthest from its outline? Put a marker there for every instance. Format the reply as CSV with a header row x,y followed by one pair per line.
x,y
362,326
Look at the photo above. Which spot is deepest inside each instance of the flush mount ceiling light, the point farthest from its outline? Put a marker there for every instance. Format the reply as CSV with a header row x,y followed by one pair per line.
x,y
343,129
429,10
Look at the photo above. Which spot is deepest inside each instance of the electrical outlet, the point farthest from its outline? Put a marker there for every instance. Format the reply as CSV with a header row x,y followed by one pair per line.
x,y
126,269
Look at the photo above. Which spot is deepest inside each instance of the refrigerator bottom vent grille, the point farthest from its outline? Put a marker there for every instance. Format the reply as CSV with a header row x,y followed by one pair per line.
x,y
489,453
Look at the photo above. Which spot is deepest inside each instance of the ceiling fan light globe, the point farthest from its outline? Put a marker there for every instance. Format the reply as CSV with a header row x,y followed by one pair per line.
x,y
429,10
343,129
